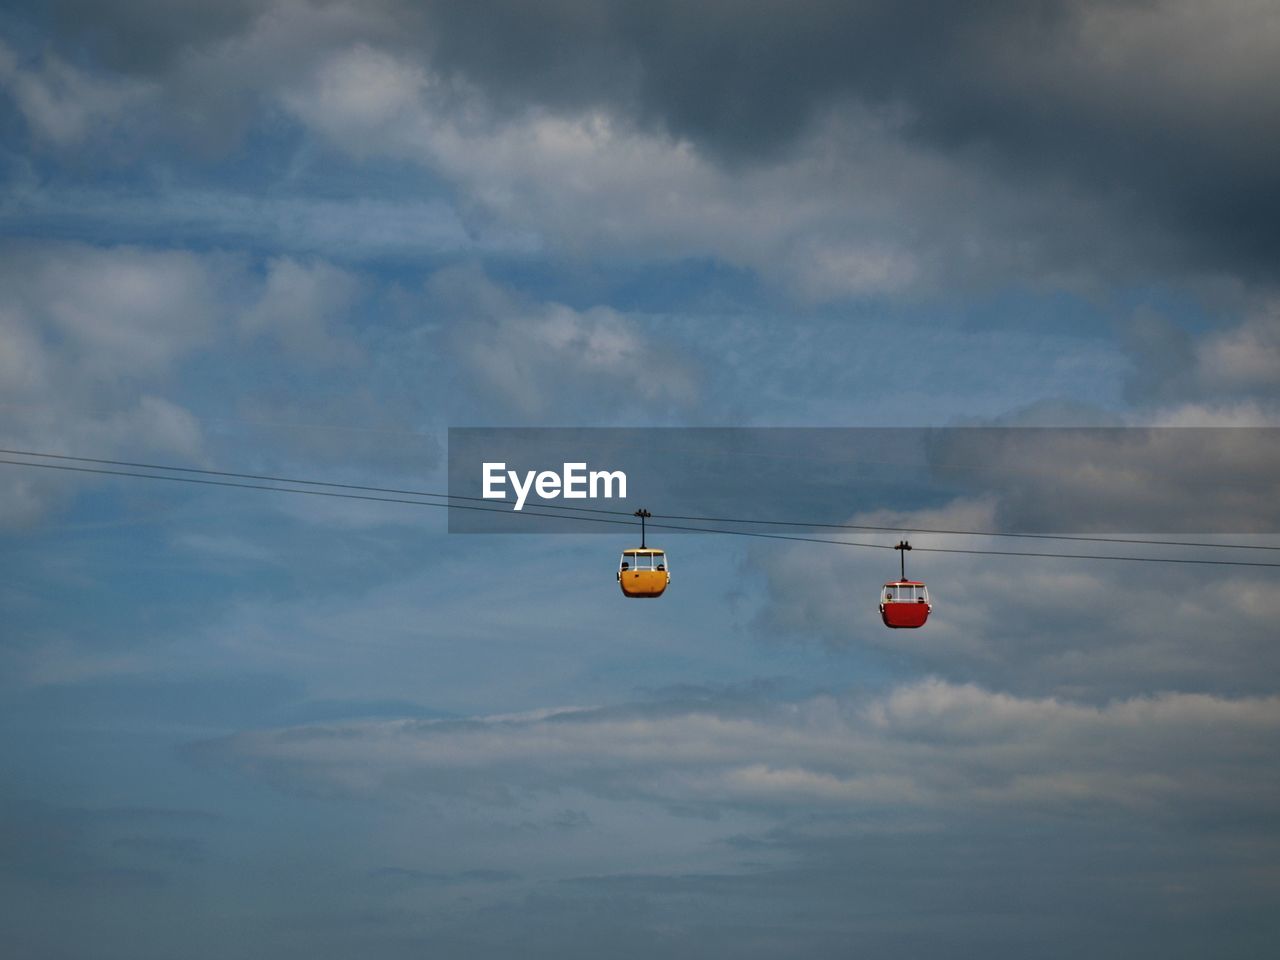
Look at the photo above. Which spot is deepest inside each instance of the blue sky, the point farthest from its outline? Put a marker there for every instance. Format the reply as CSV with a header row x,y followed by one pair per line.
x,y
307,238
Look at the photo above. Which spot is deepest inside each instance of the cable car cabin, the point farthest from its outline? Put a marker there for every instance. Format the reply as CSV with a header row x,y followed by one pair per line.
x,y
905,603
642,572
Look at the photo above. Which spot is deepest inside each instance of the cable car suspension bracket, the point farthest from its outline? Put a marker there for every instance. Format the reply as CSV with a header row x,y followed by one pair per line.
x,y
643,515
902,547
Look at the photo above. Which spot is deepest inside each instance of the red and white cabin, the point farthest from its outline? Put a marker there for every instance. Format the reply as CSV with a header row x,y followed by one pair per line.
x,y
904,604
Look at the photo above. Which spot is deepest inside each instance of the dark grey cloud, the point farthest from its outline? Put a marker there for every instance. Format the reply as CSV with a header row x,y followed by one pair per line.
x,y
98,848
1174,480
934,813
1089,92
143,36
1162,113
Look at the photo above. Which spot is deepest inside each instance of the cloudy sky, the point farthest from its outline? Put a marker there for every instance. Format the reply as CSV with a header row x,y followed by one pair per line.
x,y
306,238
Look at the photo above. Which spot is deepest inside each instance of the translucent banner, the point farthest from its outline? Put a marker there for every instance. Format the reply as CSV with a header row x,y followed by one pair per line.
x,y
1034,480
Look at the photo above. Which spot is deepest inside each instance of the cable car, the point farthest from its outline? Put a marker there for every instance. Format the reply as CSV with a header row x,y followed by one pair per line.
x,y
643,570
904,603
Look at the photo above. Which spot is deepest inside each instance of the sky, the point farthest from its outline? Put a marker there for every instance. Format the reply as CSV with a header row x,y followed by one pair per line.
x,y
307,237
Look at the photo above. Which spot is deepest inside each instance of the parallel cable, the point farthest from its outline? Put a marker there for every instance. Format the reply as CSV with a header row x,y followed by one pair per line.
x,y
295,480
627,522
625,513
983,533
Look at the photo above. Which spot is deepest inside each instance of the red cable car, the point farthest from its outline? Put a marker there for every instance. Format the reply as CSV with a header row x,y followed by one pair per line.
x,y
904,603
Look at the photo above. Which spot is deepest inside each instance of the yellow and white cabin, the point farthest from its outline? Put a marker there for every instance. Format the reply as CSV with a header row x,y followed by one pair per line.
x,y
643,572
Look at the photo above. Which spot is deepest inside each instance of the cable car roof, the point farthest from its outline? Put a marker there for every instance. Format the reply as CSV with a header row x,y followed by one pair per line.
x,y
642,551
905,583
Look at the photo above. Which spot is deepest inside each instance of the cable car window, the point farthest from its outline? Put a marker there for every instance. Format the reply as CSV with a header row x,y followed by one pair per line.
x,y
905,592
660,561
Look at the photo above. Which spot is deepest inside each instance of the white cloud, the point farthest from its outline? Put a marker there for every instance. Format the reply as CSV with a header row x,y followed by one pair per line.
x,y
1221,413
366,100
852,209
116,312
841,215
342,229
301,305
1243,358
541,359
924,746
225,548
831,271
1077,628
65,106
93,342
859,205
90,337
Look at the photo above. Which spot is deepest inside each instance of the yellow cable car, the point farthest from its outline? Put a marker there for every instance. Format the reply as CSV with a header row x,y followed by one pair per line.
x,y
642,572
